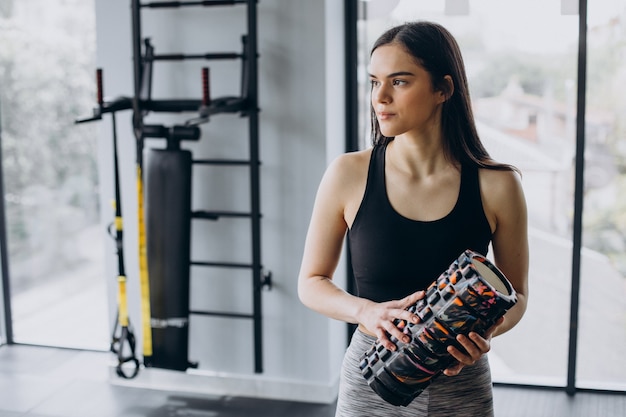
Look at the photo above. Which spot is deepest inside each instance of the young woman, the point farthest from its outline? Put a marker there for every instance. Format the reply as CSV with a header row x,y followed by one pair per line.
x,y
426,191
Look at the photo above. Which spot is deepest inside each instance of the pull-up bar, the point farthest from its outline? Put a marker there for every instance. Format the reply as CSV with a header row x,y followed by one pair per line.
x,y
206,3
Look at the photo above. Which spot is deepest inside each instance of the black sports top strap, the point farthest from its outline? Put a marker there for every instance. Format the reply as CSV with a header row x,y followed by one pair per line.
x,y
393,256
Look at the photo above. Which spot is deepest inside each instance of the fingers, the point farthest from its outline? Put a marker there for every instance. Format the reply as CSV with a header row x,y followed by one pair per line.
x,y
409,300
396,316
394,331
405,303
384,340
475,347
407,316
454,369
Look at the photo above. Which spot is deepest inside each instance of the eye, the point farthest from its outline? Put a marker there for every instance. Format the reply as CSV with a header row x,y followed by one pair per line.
x,y
374,83
399,82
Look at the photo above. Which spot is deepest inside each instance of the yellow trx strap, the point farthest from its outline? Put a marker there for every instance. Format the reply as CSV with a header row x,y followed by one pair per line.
x,y
122,301
126,340
143,274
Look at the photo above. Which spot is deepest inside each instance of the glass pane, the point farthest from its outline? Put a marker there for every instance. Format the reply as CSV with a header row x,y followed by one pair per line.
x,y
55,241
521,60
602,333
3,318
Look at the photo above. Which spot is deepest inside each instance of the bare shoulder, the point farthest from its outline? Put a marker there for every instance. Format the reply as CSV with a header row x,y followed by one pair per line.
x,y
348,170
502,194
351,163
499,181
345,180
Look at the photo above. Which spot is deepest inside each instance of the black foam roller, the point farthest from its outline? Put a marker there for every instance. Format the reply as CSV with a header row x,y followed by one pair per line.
x,y
471,295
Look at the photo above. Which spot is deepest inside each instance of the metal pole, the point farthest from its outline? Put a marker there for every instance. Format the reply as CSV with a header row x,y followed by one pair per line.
x,y
136,34
137,67
352,112
253,114
351,76
578,196
6,287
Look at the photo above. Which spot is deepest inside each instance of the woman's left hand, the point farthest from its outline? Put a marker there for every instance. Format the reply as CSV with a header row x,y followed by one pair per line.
x,y
475,345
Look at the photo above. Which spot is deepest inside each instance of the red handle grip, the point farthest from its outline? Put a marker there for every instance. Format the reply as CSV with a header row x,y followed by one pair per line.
x,y
99,86
206,97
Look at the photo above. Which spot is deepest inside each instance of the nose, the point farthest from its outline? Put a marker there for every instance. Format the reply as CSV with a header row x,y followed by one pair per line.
x,y
380,94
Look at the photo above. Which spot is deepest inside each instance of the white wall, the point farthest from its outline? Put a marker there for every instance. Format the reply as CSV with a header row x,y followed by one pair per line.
x,y
301,128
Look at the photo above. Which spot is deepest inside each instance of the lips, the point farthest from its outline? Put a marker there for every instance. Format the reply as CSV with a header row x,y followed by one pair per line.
x,y
385,115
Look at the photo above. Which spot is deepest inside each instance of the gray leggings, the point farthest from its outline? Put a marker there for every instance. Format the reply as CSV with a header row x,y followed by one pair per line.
x,y
468,394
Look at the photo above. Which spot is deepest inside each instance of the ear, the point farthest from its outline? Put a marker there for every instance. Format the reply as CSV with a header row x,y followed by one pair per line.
x,y
447,88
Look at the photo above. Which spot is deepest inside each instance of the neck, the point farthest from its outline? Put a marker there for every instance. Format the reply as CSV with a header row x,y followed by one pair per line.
x,y
418,157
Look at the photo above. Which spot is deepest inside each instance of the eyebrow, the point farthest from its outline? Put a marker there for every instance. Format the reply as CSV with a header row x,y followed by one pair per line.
x,y
396,74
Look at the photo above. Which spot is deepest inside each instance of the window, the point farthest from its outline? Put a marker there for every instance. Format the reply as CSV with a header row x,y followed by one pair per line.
x,y
603,265
521,61
50,172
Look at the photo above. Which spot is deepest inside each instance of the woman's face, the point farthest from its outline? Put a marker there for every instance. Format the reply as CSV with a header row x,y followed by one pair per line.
x,y
402,94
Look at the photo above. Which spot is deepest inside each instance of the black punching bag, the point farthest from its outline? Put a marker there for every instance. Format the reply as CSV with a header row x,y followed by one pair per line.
x,y
168,231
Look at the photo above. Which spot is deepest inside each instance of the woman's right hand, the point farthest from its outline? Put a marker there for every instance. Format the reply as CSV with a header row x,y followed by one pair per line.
x,y
379,318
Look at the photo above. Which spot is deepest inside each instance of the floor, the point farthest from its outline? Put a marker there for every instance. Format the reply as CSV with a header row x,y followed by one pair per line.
x,y
47,382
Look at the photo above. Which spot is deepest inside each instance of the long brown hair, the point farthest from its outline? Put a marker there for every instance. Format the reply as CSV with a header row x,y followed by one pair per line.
x,y
436,50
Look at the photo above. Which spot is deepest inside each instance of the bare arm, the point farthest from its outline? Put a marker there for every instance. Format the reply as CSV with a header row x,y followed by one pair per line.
x,y
323,247
505,201
339,194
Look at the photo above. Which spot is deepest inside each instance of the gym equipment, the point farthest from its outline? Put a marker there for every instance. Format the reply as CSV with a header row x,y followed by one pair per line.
x,y
470,296
165,263
126,337
123,337
164,221
168,230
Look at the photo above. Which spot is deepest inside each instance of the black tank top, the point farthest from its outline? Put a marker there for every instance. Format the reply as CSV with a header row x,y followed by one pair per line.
x,y
393,256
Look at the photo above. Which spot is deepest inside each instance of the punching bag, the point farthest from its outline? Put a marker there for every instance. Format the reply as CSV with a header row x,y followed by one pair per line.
x,y
168,232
